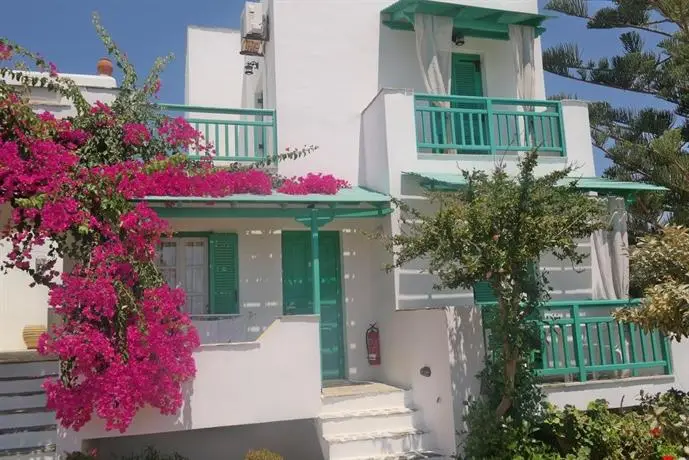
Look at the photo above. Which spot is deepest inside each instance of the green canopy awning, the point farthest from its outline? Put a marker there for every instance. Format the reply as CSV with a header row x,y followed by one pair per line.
x,y
471,21
355,202
591,184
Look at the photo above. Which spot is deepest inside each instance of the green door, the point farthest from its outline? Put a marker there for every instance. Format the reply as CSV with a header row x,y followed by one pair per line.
x,y
471,129
297,292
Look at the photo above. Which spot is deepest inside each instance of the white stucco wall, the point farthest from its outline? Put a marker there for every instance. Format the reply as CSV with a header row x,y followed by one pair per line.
x,y
275,378
21,305
260,281
213,61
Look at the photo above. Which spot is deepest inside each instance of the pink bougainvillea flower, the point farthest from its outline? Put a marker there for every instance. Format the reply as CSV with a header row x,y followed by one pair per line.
x,y
53,69
123,331
135,134
5,51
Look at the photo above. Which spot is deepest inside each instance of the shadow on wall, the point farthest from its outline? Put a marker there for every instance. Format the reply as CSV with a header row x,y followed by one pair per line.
x,y
361,272
465,331
295,439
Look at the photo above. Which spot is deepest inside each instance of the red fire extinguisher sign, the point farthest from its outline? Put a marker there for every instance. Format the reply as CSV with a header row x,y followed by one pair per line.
x,y
373,345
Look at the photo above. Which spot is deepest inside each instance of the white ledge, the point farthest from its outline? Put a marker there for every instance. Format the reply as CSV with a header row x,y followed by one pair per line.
x,y
611,383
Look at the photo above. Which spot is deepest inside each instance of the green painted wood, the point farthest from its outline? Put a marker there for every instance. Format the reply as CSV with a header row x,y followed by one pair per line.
x,y
216,212
601,343
477,122
245,123
468,81
223,271
611,341
297,292
484,293
578,342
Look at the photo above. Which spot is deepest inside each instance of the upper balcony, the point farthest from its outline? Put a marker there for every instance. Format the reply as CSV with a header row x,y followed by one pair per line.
x,y
461,125
238,135
404,132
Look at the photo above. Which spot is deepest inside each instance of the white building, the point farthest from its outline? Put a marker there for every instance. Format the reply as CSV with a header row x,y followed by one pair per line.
x,y
284,363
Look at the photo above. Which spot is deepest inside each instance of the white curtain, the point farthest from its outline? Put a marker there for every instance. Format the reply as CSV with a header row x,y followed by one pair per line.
x,y
522,41
434,53
610,255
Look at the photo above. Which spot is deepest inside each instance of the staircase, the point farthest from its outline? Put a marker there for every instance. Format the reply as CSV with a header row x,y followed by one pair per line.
x,y
371,421
27,430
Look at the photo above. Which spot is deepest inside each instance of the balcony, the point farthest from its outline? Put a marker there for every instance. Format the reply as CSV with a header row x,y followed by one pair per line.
x,y
585,354
238,135
487,126
407,132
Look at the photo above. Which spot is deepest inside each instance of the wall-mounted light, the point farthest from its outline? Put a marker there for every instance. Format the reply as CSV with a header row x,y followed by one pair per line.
x,y
457,38
250,66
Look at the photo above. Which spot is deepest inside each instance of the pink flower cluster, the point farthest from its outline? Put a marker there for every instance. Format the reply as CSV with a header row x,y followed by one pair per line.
x,y
135,134
124,343
325,184
5,51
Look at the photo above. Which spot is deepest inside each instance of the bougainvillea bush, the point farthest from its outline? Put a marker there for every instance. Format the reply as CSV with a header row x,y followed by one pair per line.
x,y
75,185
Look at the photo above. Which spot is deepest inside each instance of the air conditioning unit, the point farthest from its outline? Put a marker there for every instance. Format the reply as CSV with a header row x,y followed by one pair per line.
x,y
253,25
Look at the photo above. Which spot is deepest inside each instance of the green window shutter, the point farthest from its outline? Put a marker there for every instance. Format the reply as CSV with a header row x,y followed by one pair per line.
x,y
483,292
222,273
466,76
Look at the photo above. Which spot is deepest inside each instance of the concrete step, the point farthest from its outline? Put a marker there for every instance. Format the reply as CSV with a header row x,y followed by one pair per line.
x,y
21,385
36,417
10,403
33,437
29,453
367,401
375,444
31,369
372,420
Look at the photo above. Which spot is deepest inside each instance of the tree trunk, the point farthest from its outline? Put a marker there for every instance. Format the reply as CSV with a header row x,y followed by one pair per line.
x,y
511,358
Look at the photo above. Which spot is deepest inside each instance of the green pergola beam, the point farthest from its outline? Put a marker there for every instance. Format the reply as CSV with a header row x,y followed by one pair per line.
x,y
472,21
300,214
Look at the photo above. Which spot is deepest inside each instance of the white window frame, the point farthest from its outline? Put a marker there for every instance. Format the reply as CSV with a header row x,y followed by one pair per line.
x,y
181,266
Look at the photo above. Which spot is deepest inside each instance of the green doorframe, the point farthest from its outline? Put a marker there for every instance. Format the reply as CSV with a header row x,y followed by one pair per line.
x,y
314,222
315,262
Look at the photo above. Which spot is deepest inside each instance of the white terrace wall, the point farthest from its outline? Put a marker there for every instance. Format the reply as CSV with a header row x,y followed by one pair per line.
x,y
21,305
275,378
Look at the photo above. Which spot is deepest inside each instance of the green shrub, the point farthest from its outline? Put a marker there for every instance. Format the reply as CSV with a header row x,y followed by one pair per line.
x,y
152,454
262,454
81,456
657,429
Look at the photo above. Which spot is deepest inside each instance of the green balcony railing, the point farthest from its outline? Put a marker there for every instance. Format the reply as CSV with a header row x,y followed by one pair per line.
x,y
236,134
490,126
581,341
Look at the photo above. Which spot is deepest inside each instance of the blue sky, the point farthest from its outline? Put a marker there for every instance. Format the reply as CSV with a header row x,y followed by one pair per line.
x,y
63,33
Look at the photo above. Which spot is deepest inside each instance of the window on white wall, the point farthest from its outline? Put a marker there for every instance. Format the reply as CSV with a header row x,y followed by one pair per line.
x,y
206,268
184,264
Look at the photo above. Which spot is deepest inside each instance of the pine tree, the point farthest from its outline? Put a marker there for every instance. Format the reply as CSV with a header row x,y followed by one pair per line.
x,y
647,144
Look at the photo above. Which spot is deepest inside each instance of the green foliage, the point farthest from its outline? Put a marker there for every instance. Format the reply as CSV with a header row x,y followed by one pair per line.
x,y
657,428
660,267
648,144
495,229
151,453
80,456
262,454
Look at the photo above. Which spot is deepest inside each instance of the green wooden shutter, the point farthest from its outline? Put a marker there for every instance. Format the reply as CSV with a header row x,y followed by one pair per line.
x,y
483,292
466,75
467,81
222,273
